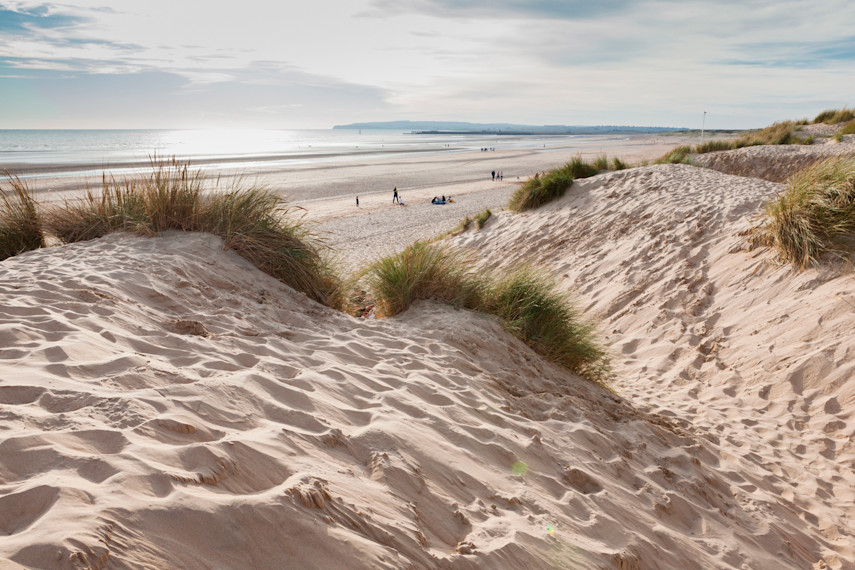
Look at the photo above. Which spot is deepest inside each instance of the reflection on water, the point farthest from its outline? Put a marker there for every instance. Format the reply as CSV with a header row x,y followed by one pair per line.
x,y
30,151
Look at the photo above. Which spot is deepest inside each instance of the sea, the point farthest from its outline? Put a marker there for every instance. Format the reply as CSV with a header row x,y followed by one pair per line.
x,y
42,153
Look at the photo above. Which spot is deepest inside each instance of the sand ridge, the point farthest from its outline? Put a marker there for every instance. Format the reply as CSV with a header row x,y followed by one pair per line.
x,y
164,404
168,405
754,357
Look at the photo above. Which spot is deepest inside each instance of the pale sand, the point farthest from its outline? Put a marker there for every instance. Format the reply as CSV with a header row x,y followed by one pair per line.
x,y
164,404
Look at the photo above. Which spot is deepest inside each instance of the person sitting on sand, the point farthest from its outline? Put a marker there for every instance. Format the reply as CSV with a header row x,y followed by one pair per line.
x,y
433,201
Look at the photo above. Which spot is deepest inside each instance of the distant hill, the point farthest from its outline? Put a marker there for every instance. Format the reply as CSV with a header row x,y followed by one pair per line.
x,y
446,127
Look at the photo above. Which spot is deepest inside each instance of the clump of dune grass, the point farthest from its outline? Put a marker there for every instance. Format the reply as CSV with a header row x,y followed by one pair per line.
x,y
618,164
533,310
776,134
259,226
422,271
551,185
679,155
482,218
815,214
526,300
462,226
835,116
601,162
20,223
168,198
715,145
253,221
847,129
581,168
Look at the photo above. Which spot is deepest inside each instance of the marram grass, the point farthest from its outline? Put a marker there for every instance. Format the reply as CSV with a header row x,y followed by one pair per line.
x,y
20,223
551,185
815,214
834,116
777,134
482,218
526,300
252,220
848,128
533,310
422,271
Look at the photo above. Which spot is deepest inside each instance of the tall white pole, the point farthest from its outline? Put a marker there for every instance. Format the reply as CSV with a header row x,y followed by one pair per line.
x,y
703,122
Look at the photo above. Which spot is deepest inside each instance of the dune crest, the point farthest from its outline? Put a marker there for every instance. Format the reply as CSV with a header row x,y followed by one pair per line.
x,y
748,355
292,435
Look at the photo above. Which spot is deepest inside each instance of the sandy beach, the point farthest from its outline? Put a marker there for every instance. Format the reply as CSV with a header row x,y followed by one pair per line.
x,y
165,404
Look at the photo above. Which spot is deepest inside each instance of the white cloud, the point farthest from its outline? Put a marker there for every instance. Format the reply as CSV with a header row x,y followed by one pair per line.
x,y
527,61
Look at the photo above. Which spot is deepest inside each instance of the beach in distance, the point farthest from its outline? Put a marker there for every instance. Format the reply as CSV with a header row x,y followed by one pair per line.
x,y
187,399
323,172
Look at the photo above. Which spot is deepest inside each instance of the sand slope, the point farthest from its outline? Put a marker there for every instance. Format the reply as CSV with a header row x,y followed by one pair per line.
x,y
751,358
776,163
164,404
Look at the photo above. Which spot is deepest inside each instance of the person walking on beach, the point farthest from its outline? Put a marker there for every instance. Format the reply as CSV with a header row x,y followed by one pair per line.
x,y
494,174
357,201
395,199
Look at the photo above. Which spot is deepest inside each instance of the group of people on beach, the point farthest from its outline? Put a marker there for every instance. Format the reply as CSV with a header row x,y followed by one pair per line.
x,y
498,175
396,198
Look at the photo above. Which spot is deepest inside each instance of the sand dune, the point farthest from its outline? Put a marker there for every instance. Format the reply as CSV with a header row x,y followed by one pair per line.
x,y
776,163
750,357
165,404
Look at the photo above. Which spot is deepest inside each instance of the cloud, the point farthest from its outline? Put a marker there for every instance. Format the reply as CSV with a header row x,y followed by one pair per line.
x,y
796,54
28,21
535,9
262,95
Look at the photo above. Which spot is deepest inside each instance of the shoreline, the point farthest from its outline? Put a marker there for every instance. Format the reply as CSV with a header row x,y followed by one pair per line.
x,y
336,175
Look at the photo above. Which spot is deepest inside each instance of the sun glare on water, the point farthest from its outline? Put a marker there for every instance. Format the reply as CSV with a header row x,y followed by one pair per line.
x,y
220,142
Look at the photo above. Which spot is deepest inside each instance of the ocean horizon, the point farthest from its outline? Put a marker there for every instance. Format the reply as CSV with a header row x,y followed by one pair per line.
x,y
54,152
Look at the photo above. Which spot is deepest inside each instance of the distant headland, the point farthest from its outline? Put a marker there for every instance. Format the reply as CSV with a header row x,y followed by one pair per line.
x,y
457,127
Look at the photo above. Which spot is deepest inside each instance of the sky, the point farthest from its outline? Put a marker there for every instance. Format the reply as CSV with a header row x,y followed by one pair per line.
x,y
724,64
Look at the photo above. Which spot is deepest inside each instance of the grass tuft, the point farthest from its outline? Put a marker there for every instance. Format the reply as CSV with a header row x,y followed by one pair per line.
x,y
601,162
253,221
618,164
679,155
20,223
169,198
526,300
847,129
775,134
815,214
778,133
482,218
580,168
542,189
422,271
835,116
533,310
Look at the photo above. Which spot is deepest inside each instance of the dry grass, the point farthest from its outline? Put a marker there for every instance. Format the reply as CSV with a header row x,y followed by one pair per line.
x,y
542,189
776,134
251,220
815,214
20,223
835,116
422,271
482,218
847,129
526,300
533,310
